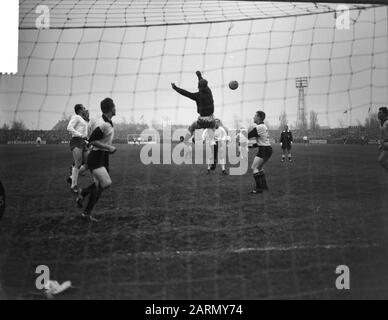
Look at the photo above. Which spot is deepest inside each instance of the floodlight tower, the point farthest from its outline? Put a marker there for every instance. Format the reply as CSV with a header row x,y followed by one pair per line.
x,y
301,121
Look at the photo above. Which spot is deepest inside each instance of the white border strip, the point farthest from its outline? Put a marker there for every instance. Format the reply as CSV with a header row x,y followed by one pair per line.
x,y
9,34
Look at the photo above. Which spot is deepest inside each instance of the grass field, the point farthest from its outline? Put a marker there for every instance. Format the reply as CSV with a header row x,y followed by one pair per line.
x,y
172,232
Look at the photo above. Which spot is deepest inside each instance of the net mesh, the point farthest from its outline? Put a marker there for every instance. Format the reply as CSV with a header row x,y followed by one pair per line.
x,y
116,13
213,244
134,50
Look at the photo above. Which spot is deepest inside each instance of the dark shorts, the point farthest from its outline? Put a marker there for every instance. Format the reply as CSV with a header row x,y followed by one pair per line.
x,y
385,145
286,146
98,159
264,153
79,143
203,123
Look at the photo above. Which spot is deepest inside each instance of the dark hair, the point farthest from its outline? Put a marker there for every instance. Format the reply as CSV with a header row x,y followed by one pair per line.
x,y
261,114
77,108
181,138
384,110
202,83
107,105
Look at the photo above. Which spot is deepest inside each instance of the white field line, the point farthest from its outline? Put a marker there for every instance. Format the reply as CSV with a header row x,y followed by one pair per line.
x,y
252,249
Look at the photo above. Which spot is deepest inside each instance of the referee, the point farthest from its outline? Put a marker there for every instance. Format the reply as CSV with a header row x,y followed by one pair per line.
x,y
286,141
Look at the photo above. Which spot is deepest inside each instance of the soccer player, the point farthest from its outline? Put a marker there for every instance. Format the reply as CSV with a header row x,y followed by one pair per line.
x,y
188,150
84,167
208,138
98,159
205,104
78,128
383,148
286,141
305,140
260,132
220,138
243,142
38,141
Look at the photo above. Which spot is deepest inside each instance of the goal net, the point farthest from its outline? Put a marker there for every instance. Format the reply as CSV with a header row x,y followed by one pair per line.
x,y
133,51
167,231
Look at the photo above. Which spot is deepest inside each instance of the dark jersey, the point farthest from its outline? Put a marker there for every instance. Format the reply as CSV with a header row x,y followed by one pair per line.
x,y
286,138
203,99
103,132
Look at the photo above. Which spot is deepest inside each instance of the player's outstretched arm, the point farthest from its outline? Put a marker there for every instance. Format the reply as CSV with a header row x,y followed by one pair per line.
x,y
183,92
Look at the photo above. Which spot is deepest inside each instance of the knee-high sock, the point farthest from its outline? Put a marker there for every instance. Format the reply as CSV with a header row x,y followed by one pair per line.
x,y
94,195
74,176
263,180
216,153
256,176
86,191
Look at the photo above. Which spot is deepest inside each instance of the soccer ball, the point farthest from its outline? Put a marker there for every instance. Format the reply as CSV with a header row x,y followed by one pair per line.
x,y
233,84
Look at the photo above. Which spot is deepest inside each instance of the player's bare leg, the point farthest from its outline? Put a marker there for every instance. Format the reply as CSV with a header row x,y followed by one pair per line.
x,y
77,156
194,126
188,153
383,160
84,167
222,156
258,173
209,156
286,155
102,181
289,155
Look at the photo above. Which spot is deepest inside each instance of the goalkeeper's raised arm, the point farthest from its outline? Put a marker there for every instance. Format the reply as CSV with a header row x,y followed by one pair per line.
x,y
183,92
204,101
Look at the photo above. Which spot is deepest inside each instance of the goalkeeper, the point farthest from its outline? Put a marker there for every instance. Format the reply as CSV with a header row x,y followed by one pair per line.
x,y
205,104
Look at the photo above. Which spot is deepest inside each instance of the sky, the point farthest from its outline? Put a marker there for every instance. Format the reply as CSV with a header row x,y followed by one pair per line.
x,y
346,70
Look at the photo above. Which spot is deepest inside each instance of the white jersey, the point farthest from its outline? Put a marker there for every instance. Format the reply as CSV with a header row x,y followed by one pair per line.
x,y
208,136
220,134
78,127
103,132
262,137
